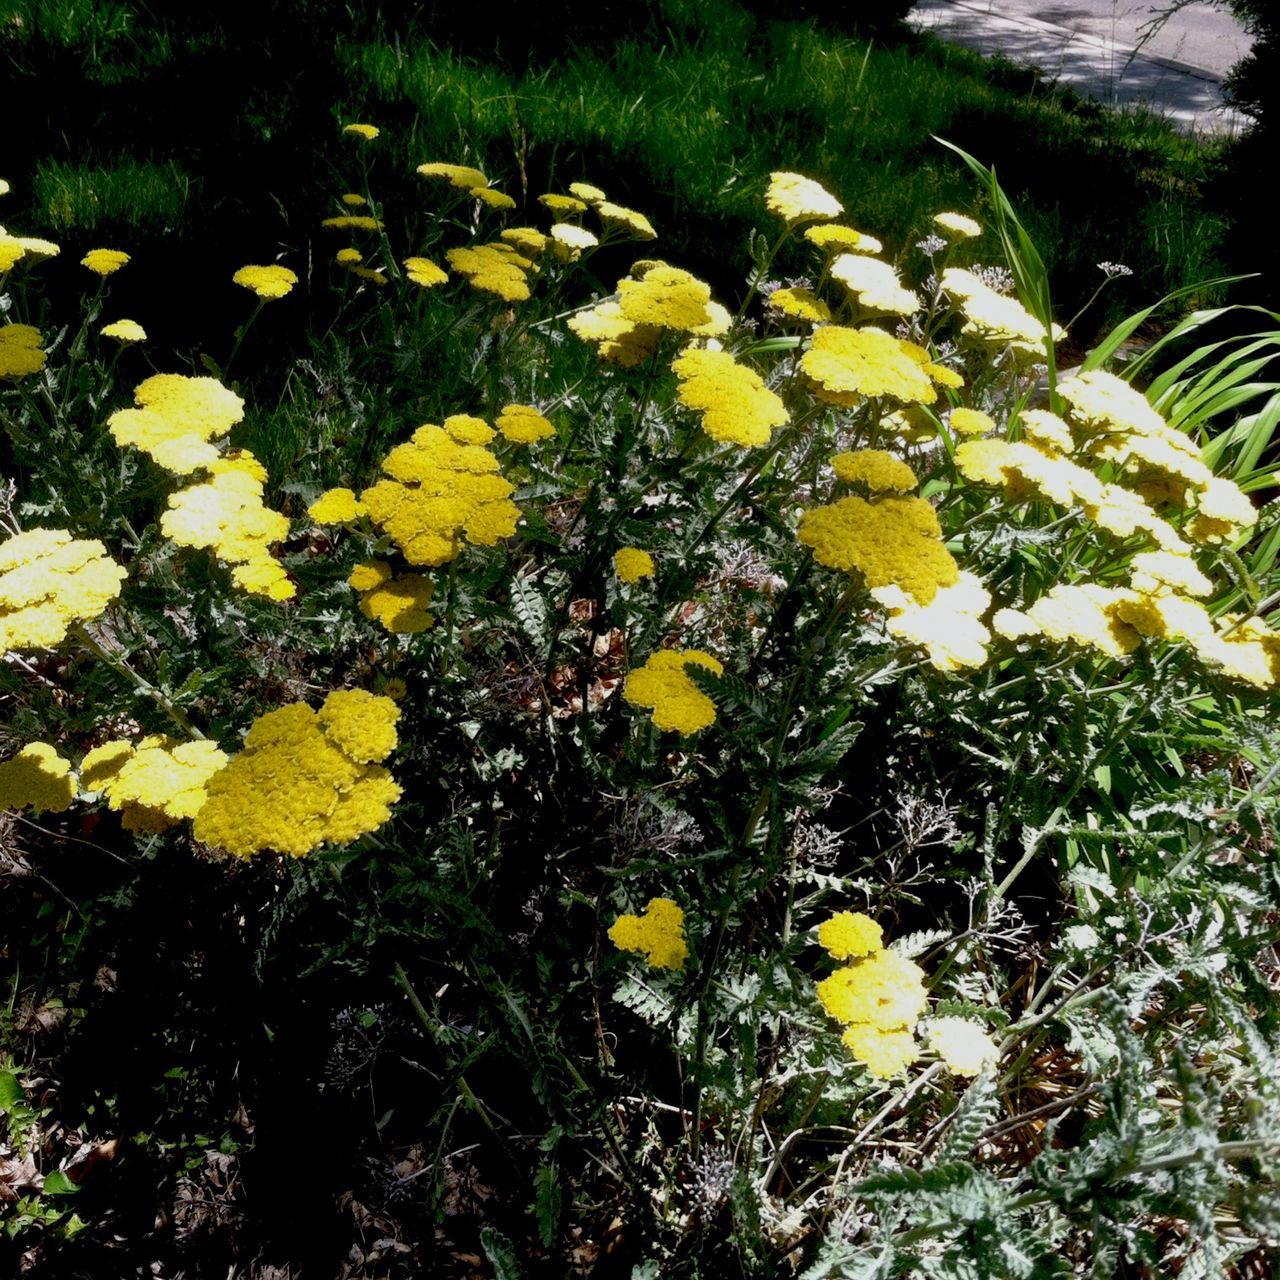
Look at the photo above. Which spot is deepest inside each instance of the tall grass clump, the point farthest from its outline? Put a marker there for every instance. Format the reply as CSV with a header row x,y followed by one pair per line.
x,y
594,772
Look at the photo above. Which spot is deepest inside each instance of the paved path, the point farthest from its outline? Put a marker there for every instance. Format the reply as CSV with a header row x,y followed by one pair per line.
x,y
1101,49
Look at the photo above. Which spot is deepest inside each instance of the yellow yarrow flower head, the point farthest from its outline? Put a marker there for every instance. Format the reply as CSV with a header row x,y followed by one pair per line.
x,y
1223,512
460,176
658,934
876,470
353,200
124,331
617,218
1083,613
48,581
1163,572
226,515
666,298
352,222
12,251
846,365
348,257
562,206
888,540
631,564
528,241
993,318
37,249
523,424
832,238
799,304
425,273
850,935
617,340
104,262
662,685
796,199
464,428
361,724
336,506
400,604
365,132
305,779
493,268
156,783
883,1053
37,778
21,352
437,491
955,226
268,282
568,242
370,574
586,192
949,628
1046,431
962,1044
175,418
875,284
971,422
736,406
492,197
882,990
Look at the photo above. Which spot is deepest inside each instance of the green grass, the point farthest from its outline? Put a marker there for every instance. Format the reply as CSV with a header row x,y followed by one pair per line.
x,y
683,116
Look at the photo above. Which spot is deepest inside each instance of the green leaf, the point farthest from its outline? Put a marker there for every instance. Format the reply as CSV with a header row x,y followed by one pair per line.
x,y
58,1184
11,1092
502,1253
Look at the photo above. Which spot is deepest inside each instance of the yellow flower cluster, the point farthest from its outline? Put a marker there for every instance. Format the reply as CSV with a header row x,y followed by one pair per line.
x,y
956,226
663,685
268,282
569,242
875,284
365,132
154,784
124,331
425,273
305,778
104,262
528,241
493,268
20,351
992,317
439,487
846,365
832,238
48,581
523,424
658,934
175,419
226,515
563,206
352,222
875,469
736,406
949,628
971,422
631,564
616,218
399,603
797,199
888,540
800,304
37,778
877,997
462,177
850,935
1026,471
964,1047
1116,424
336,506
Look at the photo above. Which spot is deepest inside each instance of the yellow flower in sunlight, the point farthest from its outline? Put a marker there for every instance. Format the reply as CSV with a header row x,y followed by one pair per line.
x,y
124,331
631,564
962,1044
268,282
796,199
661,684
657,934
736,406
103,262
365,132
37,778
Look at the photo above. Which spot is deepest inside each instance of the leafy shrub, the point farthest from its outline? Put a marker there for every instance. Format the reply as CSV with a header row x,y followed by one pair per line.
x,y
787,789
